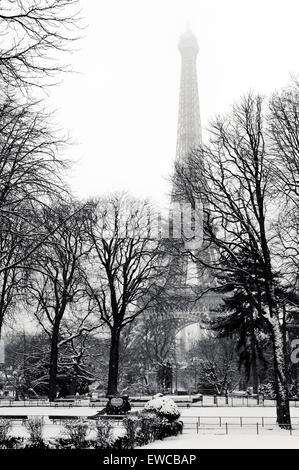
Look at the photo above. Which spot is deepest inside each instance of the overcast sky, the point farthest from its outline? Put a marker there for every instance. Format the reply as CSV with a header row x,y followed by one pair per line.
x,y
121,109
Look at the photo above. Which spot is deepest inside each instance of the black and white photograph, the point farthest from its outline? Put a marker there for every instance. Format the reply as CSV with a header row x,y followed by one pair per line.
x,y
149,230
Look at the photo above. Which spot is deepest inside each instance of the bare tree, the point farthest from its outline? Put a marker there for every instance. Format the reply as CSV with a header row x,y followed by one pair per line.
x,y
283,118
157,339
12,279
33,33
56,288
27,357
232,176
30,177
127,266
216,365
147,347
283,133
76,362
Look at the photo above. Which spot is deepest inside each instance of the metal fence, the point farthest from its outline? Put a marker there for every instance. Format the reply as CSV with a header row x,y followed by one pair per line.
x,y
193,425
236,425
55,404
254,428
136,402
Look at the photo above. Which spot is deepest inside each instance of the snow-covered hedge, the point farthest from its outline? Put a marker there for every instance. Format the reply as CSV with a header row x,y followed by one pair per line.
x,y
144,427
164,407
140,429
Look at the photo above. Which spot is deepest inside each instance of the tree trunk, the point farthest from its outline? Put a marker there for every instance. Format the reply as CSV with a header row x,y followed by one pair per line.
x,y
73,386
281,380
254,375
113,362
280,364
53,364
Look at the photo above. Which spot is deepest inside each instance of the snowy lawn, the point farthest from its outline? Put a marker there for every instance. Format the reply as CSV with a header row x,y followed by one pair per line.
x,y
276,441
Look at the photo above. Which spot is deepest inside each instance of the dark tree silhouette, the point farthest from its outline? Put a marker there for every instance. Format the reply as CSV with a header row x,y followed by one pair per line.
x,y
33,33
30,177
232,175
239,318
128,268
56,285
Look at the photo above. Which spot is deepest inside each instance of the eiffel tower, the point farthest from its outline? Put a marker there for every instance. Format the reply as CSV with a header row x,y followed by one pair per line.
x,y
185,321
189,317
188,133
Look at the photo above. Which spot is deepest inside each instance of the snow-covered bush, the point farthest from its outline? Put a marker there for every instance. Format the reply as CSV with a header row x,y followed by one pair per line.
x,y
268,390
141,428
5,427
164,407
34,426
170,428
144,427
131,424
150,428
76,431
104,439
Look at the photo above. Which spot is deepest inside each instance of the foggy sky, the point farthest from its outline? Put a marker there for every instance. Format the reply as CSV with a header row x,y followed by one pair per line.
x,y
121,108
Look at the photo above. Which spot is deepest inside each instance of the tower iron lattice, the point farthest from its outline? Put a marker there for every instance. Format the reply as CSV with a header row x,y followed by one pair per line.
x,y
189,126
194,278
190,278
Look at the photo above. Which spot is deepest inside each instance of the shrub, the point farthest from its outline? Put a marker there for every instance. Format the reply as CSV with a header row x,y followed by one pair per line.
x,y
131,424
141,428
150,428
104,439
68,443
144,427
170,428
5,427
76,431
12,443
34,426
163,407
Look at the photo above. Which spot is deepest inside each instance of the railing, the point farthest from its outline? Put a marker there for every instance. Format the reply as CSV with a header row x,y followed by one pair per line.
x,y
254,428
55,404
200,425
206,401
228,424
191,401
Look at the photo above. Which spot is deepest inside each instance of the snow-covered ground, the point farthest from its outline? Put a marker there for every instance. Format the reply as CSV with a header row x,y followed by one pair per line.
x,y
186,441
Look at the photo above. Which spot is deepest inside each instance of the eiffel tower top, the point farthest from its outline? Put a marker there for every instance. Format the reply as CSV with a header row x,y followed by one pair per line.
x,y
189,127
188,42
